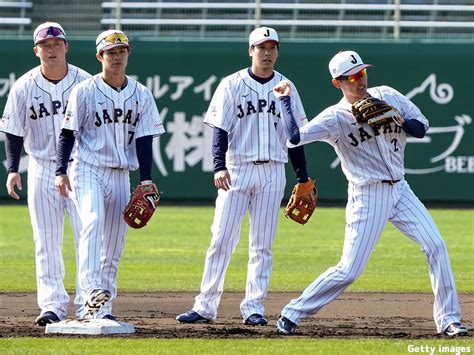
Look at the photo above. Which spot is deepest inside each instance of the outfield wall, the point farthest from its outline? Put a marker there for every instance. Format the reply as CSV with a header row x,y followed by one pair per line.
x,y
183,75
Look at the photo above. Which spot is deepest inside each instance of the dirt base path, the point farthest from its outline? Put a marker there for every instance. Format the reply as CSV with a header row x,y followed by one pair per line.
x,y
380,315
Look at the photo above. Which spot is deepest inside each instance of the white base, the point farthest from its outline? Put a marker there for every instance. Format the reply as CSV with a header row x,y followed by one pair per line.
x,y
89,326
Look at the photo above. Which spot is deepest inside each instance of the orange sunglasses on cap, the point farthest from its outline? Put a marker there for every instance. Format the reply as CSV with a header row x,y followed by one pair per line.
x,y
354,77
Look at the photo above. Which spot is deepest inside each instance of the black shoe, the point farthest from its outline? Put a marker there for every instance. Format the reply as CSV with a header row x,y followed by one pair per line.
x,y
109,317
47,318
256,319
285,326
456,329
191,317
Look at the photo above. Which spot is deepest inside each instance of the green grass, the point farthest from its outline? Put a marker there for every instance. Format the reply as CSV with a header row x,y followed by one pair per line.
x,y
243,346
169,253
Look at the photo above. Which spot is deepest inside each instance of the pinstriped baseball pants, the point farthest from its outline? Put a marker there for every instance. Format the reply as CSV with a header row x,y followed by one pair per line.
x,y
259,189
101,195
46,207
369,208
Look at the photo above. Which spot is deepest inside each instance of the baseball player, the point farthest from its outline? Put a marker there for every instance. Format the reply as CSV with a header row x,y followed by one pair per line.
x,y
32,118
249,153
111,119
372,159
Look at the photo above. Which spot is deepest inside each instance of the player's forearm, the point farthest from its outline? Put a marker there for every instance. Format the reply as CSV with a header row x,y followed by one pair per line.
x,y
414,128
65,145
13,145
290,125
144,156
220,144
298,161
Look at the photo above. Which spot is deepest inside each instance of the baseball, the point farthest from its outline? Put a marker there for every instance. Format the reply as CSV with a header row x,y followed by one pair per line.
x,y
282,88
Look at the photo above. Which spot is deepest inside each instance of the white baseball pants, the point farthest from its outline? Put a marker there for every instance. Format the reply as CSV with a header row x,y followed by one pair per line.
x,y
369,208
46,207
101,195
259,189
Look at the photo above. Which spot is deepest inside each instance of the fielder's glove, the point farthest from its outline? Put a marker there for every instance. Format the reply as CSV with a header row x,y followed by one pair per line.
x,y
375,112
302,202
142,205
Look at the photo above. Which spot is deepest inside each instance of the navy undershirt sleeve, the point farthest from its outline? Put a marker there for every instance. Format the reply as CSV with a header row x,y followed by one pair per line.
x,y
13,145
145,156
290,120
65,145
296,155
298,160
414,128
220,144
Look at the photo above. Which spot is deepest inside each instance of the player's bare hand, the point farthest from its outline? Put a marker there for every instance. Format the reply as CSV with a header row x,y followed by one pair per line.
x,y
13,180
222,180
62,184
283,88
398,118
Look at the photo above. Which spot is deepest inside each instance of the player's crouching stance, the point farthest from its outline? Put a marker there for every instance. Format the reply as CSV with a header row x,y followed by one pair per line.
x,y
369,137
43,93
112,120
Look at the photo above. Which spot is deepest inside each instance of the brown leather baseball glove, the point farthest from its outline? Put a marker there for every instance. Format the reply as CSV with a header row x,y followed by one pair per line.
x,y
302,202
142,205
374,111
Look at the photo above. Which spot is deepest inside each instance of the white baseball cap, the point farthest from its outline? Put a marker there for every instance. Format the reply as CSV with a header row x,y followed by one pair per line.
x,y
110,39
48,30
346,63
262,34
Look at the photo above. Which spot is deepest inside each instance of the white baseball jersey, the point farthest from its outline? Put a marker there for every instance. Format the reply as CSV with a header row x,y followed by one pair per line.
x,y
251,115
372,160
355,144
108,122
35,110
249,112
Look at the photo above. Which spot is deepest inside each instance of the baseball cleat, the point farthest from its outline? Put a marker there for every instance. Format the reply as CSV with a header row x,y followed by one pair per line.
x,y
456,329
255,319
47,318
191,317
96,299
285,326
109,317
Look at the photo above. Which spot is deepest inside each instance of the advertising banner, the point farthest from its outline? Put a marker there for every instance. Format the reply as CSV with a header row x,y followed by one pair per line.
x,y
183,76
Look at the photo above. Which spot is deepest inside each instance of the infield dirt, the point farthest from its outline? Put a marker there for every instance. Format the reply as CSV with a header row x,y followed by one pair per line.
x,y
379,315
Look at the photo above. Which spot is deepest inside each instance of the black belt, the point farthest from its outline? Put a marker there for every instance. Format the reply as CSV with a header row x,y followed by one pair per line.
x,y
260,162
69,161
391,182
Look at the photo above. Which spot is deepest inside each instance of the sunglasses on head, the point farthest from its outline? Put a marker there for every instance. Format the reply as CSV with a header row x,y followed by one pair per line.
x,y
49,32
354,77
116,38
